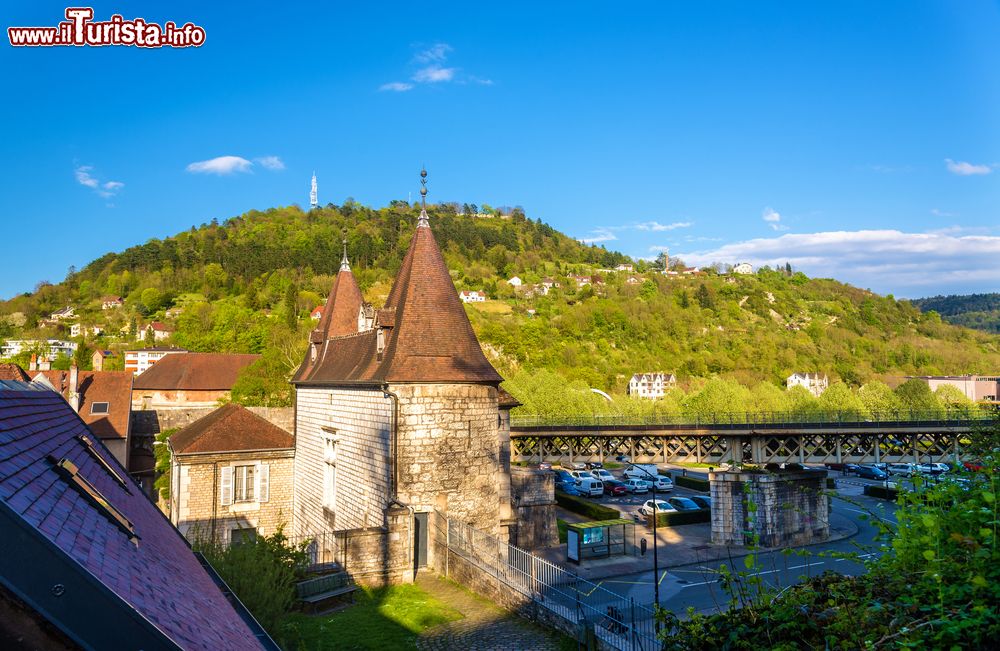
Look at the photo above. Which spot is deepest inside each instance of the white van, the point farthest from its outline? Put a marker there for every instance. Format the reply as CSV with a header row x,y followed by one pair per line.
x,y
590,486
646,471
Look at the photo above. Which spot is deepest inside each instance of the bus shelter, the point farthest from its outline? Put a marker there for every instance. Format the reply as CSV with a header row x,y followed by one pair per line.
x,y
599,539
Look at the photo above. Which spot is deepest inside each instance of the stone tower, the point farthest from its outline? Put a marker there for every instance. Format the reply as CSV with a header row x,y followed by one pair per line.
x,y
397,412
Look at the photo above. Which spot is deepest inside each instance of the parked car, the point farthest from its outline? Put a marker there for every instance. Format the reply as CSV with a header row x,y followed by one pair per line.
x,y
577,465
932,468
590,487
614,487
601,474
851,468
593,465
974,466
579,474
637,486
683,504
641,471
870,472
545,465
564,476
623,458
703,501
567,487
661,483
659,506
902,469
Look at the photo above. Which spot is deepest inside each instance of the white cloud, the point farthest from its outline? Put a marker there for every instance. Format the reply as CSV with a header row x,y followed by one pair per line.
x,y
430,68
773,218
435,53
106,189
396,86
220,165
658,249
657,226
273,163
599,235
963,168
942,213
885,260
434,74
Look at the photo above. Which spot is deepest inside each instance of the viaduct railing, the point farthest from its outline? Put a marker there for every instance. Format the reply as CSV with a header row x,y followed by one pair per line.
x,y
776,437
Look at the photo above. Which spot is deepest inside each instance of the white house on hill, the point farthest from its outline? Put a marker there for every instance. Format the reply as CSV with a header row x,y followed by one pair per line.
x,y
515,282
814,383
743,268
472,297
651,385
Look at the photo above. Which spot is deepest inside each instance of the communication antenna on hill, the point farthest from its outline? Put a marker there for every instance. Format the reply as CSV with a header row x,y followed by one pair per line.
x,y
314,193
424,220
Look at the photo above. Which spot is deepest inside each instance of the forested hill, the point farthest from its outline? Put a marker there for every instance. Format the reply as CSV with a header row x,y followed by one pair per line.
x,y
249,284
979,311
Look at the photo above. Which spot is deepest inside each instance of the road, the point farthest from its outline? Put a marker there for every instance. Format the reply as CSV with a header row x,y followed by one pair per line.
x,y
696,585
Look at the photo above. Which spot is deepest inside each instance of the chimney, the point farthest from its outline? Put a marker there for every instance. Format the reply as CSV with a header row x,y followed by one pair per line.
x,y
44,364
74,396
33,365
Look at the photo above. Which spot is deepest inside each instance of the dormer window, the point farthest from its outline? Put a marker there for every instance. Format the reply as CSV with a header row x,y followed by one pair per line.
x,y
380,341
97,408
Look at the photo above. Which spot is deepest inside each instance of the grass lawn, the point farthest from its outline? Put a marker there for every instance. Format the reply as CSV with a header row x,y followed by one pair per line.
x,y
387,618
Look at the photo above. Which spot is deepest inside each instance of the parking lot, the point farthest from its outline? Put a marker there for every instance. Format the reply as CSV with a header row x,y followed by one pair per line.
x,y
629,503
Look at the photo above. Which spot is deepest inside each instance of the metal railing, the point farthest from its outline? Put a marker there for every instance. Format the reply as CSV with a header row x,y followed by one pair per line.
x,y
323,549
620,622
946,416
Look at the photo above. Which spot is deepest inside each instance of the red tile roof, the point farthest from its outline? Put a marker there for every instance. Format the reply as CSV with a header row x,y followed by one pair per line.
x,y
13,372
154,584
230,428
112,387
428,337
195,372
340,314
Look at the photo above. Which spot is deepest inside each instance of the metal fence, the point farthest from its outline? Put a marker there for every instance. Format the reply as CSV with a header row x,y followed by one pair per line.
x,y
324,549
958,416
618,621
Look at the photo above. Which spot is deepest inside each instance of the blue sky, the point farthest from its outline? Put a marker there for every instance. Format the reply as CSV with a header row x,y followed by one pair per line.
x,y
857,140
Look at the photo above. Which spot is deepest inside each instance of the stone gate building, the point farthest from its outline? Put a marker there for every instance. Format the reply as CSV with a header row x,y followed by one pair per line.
x,y
399,415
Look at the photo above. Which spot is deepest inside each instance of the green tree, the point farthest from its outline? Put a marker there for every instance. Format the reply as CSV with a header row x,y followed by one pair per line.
x,y
916,395
878,399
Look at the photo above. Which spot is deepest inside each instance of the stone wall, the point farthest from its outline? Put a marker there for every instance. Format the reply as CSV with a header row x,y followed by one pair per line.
x,y
449,452
359,420
791,507
533,496
196,506
378,556
150,422
166,399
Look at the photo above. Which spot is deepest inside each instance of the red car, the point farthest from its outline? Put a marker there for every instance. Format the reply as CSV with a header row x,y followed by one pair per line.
x,y
614,488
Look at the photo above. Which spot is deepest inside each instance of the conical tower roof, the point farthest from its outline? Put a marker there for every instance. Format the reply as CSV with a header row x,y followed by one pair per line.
x,y
340,314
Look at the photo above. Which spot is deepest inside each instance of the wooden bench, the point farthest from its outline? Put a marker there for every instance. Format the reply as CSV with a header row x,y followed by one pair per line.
x,y
316,593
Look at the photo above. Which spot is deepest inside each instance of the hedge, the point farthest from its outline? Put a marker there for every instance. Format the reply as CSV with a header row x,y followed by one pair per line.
x,y
881,492
676,518
831,482
692,483
586,507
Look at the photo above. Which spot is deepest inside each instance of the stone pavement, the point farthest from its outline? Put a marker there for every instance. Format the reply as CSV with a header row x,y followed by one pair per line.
x,y
484,627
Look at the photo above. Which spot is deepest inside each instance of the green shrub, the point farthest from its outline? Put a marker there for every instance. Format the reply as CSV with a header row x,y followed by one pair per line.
x,y
262,573
831,482
693,483
585,507
161,452
677,518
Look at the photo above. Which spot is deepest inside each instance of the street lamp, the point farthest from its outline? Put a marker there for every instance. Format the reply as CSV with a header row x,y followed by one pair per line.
x,y
656,514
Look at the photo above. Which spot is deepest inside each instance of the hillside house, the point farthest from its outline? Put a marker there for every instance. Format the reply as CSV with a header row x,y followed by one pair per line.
x,y
651,385
978,388
743,268
112,302
189,380
139,361
814,383
51,347
625,267
100,358
80,330
472,297
316,313
633,280
549,283
63,314
581,280
89,562
515,282
159,331
231,476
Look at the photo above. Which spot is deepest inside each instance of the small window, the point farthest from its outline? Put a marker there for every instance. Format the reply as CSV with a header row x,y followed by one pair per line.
x,y
70,474
99,407
92,451
243,483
